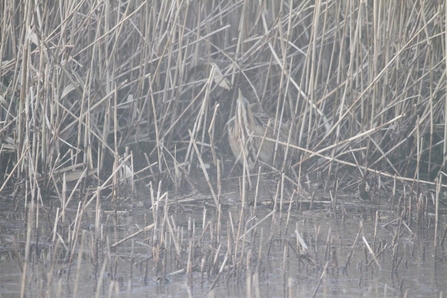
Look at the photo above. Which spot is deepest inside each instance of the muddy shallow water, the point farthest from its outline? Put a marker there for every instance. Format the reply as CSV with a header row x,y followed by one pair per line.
x,y
185,247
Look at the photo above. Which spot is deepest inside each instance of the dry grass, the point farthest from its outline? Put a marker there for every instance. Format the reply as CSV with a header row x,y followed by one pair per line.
x,y
362,85
95,97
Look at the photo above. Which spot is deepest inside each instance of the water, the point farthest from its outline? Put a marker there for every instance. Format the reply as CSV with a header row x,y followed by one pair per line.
x,y
355,249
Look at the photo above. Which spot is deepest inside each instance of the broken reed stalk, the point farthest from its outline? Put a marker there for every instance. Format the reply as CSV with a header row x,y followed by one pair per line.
x,y
78,264
371,252
25,263
438,190
323,275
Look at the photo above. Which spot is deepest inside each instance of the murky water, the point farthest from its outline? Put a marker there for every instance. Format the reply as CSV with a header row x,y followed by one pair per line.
x,y
355,249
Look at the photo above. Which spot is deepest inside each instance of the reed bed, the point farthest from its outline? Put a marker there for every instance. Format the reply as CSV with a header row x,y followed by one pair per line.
x,y
107,101
85,85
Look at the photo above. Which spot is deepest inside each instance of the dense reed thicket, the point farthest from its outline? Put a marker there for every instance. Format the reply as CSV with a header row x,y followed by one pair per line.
x,y
93,91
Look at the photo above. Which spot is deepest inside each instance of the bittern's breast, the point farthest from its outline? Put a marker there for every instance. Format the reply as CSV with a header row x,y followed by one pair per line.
x,y
251,134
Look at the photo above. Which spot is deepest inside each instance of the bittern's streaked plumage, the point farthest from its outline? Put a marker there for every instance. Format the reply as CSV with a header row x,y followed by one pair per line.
x,y
251,134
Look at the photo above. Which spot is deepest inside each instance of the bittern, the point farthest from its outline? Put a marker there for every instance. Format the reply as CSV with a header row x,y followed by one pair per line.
x,y
257,137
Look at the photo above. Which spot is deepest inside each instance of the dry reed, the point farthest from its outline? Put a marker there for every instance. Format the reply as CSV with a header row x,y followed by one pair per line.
x,y
104,101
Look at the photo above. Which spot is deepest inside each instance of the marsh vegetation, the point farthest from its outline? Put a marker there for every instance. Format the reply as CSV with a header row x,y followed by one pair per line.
x,y
117,177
